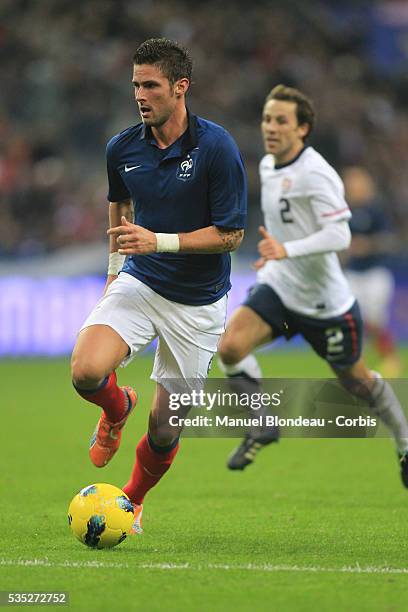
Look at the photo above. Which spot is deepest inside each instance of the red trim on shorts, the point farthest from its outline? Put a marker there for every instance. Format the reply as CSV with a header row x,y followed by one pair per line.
x,y
336,212
353,330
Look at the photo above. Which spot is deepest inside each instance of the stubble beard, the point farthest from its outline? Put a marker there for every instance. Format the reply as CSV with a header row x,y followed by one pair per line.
x,y
157,121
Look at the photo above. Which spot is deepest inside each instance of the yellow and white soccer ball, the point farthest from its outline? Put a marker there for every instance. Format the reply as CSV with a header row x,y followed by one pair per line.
x,y
100,515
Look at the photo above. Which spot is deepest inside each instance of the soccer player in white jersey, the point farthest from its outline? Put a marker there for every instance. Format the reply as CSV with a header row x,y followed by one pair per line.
x,y
300,286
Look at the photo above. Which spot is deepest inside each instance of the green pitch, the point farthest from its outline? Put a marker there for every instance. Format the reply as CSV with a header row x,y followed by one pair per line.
x,y
312,525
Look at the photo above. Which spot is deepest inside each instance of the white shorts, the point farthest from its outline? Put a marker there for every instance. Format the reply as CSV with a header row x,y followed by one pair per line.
x,y
188,335
374,290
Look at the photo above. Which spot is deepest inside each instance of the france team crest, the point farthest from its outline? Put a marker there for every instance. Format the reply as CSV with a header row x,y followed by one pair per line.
x,y
185,169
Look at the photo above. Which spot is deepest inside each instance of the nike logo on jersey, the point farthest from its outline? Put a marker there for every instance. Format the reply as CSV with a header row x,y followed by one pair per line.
x,y
129,168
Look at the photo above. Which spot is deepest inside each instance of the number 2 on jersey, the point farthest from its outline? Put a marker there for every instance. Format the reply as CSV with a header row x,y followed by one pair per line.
x,y
335,342
285,211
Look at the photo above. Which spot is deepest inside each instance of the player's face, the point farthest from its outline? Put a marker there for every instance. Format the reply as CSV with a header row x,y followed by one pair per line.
x,y
154,94
359,185
282,135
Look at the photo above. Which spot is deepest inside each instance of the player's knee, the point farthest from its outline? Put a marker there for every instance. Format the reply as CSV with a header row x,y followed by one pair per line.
x,y
85,373
230,350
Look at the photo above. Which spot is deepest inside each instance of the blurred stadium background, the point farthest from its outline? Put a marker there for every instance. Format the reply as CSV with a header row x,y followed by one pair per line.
x,y
65,90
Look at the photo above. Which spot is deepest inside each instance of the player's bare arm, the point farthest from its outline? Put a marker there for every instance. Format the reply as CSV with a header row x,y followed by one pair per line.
x,y
133,239
211,239
117,211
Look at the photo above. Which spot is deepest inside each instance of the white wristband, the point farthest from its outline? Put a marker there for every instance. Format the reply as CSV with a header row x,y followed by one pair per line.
x,y
116,261
167,243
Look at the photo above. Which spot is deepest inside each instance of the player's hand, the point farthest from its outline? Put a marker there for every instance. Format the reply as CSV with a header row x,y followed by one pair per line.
x,y
133,239
269,248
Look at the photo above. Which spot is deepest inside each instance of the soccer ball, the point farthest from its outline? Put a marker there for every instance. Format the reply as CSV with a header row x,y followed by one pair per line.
x,y
100,515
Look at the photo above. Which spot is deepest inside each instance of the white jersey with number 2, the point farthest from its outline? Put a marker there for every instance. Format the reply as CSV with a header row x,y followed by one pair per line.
x,y
298,199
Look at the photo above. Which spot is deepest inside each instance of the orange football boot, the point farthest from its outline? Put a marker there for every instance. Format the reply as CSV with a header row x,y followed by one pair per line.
x,y
137,524
106,437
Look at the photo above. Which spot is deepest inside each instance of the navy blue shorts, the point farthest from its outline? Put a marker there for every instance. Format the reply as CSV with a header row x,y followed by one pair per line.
x,y
337,340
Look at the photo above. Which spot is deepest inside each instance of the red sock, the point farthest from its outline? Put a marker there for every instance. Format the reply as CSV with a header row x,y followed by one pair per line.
x,y
110,397
149,467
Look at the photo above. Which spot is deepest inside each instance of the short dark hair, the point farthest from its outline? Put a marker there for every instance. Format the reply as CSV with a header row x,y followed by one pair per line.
x,y
305,112
172,59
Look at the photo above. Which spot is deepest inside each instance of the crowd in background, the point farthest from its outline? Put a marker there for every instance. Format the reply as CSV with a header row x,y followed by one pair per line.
x,y
66,89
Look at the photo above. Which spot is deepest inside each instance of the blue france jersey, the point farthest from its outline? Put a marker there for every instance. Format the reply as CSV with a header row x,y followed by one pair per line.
x,y
369,221
198,181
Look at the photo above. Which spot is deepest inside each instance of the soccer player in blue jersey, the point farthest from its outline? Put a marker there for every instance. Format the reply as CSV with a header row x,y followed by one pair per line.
x,y
368,264
177,193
